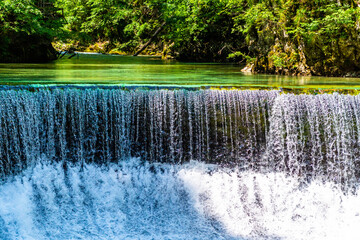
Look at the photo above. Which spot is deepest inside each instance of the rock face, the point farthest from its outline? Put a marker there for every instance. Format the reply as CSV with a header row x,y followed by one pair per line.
x,y
339,58
319,57
305,39
20,47
342,57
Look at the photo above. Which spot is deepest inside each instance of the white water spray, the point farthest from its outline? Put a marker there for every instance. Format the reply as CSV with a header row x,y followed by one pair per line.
x,y
137,200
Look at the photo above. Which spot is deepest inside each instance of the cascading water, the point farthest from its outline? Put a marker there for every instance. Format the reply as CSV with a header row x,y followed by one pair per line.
x,y
103,126
317,136
177,164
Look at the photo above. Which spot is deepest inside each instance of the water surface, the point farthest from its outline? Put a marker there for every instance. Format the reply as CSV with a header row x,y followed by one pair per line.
x,y
152,71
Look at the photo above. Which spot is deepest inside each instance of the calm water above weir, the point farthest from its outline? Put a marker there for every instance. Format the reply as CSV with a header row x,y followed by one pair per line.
x,y
152,71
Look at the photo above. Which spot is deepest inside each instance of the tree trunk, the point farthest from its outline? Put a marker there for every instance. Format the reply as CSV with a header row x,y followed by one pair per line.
x,y
151,39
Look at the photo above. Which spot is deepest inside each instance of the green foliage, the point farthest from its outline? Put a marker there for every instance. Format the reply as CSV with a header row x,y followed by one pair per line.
x,y
119,21
195,29
202,29
275,33
26,30
240,56
27,17
279,60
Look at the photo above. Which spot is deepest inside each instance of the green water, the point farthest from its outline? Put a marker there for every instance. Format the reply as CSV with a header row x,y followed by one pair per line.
x,y
151,71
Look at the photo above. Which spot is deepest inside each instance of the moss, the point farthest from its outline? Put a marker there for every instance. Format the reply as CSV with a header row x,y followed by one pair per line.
x,y
117,51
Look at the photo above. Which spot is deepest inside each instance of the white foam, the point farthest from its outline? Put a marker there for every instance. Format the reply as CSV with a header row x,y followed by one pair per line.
x,y
138,200
129,201
254,205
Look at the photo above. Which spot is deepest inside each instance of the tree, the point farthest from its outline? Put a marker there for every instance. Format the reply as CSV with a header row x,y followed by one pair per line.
x,y
27,28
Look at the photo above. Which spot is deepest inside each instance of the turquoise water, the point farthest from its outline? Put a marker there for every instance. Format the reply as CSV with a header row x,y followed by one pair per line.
x,y
152,71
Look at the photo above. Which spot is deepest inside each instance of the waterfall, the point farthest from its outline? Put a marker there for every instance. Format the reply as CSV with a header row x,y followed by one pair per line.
x,y
316,136
112,163
102,126
306,135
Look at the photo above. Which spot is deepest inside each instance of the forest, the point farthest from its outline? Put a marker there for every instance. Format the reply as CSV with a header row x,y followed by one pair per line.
x,y
290,37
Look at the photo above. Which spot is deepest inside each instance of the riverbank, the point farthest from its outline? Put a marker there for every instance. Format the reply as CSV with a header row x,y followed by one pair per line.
x,y
105,47
281,60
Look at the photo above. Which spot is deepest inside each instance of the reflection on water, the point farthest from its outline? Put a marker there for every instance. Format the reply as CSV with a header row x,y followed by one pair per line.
x,y
127,70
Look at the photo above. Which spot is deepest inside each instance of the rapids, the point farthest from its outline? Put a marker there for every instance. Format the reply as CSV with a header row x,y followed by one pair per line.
x,y
140,200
